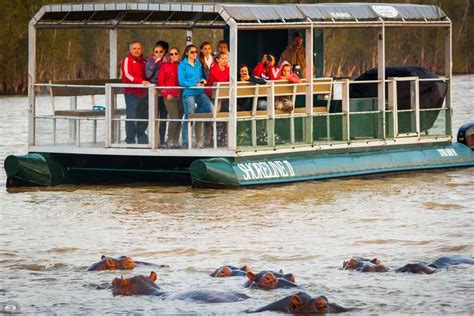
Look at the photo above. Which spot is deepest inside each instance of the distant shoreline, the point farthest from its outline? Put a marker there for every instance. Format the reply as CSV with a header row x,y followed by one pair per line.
x,y
25,94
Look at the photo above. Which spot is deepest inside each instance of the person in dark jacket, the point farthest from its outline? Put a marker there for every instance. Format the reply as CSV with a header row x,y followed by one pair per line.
x,y
245,104
205,58
153,66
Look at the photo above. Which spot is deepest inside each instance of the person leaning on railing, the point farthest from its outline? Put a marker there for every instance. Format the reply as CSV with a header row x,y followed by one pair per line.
x,y
245,104
219,72
153,66
205,58
284,103
168,76
136,99
190,76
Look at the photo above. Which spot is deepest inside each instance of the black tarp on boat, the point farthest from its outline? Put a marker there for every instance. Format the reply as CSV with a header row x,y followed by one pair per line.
x,y
432,93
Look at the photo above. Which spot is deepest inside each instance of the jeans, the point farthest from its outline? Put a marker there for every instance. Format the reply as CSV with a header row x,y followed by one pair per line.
x,y
162,114
175,111
136,108
204,105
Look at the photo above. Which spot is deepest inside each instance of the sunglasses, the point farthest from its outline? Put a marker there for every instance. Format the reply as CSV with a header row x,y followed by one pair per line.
x,y
158,51
174,54
193,51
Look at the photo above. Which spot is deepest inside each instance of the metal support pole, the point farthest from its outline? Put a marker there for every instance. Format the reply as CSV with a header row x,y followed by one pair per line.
x,y
31,82
232,135
189,37
381,76
448,73
113,53
309,79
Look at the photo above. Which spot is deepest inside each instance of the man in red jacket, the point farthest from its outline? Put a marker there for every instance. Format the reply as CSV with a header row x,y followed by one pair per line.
x,y
136,99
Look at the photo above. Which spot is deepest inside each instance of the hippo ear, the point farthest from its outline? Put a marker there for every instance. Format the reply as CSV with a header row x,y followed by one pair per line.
x,y
296,302
110,263
102,257
375,261
281,271
245,268
123,282
252,276
153,276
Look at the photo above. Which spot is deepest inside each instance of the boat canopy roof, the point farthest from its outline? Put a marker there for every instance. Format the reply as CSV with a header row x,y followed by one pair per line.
x,y
217,15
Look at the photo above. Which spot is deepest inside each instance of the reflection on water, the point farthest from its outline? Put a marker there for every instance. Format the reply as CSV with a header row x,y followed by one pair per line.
x,y
49,236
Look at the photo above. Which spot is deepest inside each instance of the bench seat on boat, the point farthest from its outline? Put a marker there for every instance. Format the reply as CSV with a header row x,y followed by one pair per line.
x,y
321,86
86,113
88,87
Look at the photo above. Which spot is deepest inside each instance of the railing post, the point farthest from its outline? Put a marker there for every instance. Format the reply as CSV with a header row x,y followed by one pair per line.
x,y
417,105
271,112
152,108
72,123
214,115
346,127
393,104
78,131
108,115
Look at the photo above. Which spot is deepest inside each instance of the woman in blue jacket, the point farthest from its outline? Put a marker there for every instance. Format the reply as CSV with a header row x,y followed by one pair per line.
x,y
194,100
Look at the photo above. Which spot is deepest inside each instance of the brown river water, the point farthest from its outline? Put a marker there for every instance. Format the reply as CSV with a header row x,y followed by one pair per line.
x,y
49,236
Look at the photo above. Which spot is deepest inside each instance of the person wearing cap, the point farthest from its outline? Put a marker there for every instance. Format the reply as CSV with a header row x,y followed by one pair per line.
x,y
295,54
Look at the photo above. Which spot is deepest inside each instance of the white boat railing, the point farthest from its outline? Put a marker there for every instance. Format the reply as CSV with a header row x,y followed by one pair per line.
x,y
328,118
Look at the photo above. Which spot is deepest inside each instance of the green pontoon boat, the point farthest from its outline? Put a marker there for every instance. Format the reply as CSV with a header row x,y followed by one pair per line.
x,y
388,119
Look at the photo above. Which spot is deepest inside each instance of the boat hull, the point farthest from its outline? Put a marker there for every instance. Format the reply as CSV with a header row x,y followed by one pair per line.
x,y
217,172
47,169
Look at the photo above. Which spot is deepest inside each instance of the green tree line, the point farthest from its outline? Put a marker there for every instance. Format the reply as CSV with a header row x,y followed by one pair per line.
x,y
71,54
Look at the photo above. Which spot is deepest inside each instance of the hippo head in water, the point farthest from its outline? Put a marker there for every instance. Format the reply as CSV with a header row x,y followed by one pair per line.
x,y
228,271
364,265
137,285
302,303
418,268
109,263
268,280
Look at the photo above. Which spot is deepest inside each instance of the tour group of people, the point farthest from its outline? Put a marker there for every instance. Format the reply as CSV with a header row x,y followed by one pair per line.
x,y
195,70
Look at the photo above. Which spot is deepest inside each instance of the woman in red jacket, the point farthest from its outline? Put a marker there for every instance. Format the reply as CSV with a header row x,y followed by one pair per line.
x,y
168,76
219,72
267,69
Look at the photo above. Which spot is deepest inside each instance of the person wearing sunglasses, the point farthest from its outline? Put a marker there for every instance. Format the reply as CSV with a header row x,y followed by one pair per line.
x,y
168,76
194,99
153,66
